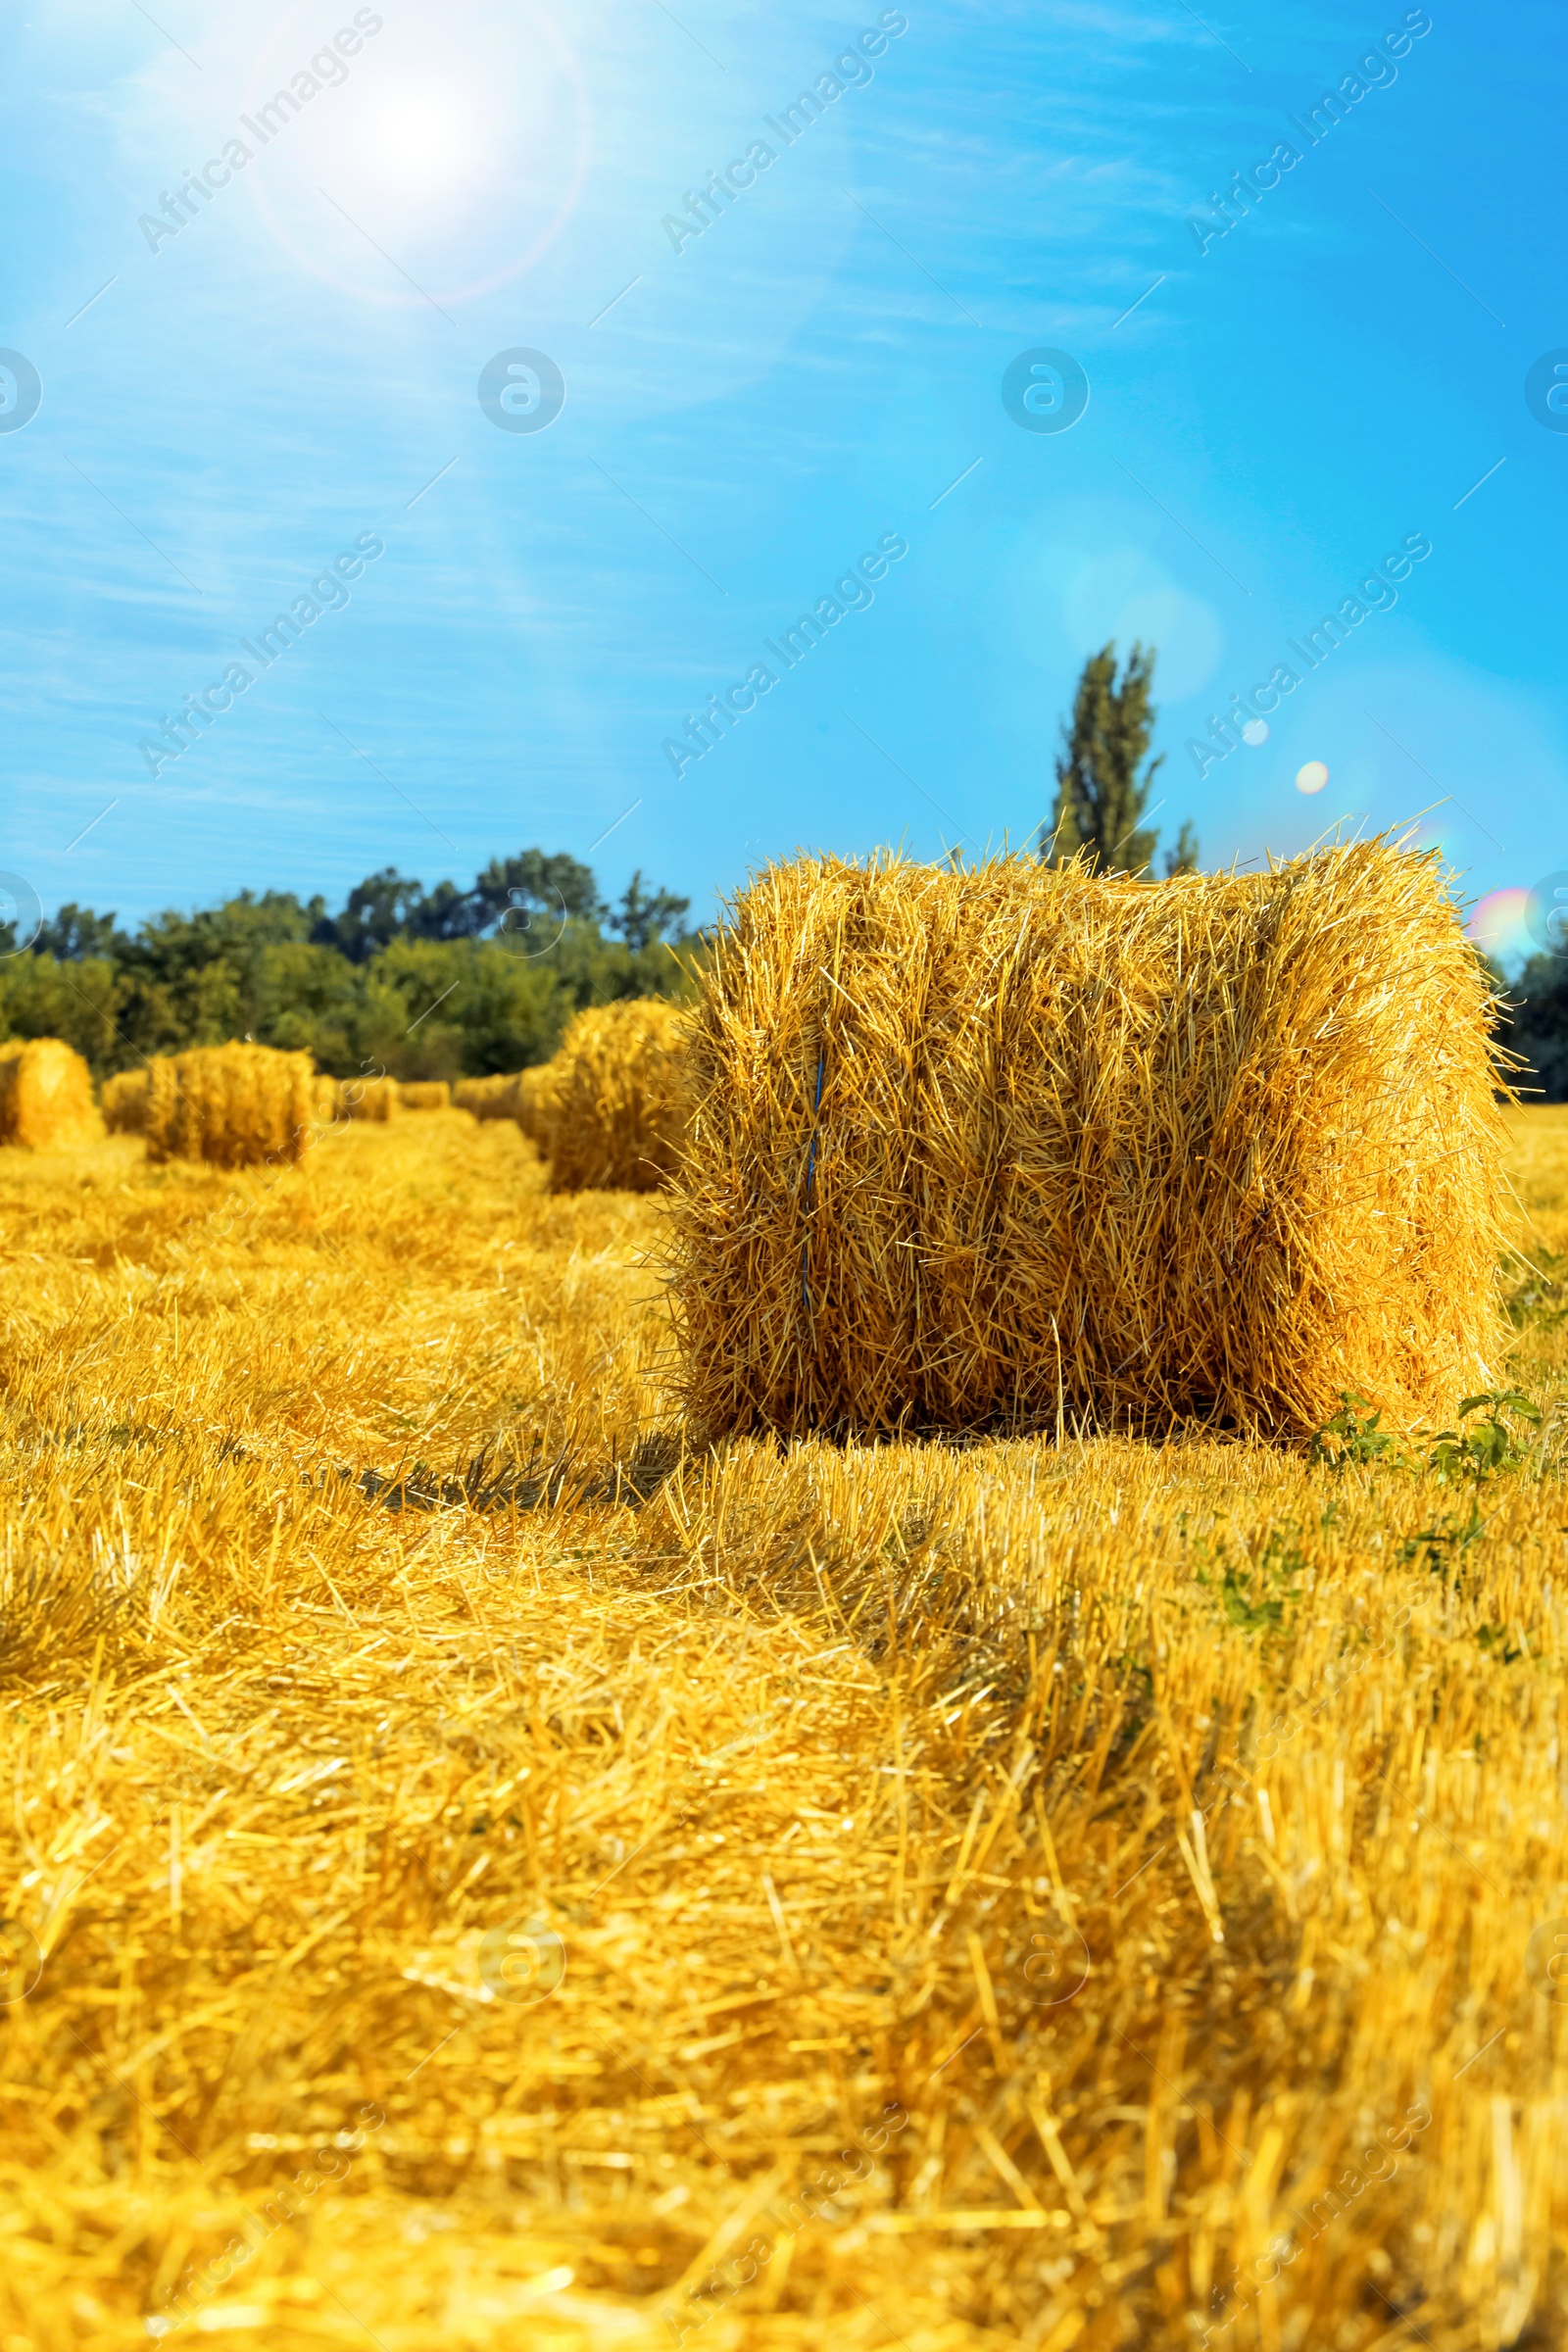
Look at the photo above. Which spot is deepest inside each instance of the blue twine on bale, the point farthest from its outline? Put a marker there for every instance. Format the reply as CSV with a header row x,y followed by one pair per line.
x,y
810,1164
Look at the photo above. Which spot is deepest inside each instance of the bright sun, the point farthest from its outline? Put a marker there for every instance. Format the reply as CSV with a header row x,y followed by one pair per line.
x,y
432,142
434,169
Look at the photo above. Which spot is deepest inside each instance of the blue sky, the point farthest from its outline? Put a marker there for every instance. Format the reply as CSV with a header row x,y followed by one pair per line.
x,y
750,409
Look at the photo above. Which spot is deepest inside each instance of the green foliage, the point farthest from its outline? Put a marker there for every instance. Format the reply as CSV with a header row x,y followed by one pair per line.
x,y
1253,1617
1100,796
40,997
76,933
1182,859
1497,1442
519,902
1536,1025
644,916
424,984
1254,1596
1476,1449
1355,1436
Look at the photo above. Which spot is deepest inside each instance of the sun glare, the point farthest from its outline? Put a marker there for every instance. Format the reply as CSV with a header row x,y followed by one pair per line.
x,y
405,185
432,142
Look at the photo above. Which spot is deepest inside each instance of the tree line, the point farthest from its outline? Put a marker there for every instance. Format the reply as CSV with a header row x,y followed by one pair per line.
x,y
448,982
437,982
1536,1025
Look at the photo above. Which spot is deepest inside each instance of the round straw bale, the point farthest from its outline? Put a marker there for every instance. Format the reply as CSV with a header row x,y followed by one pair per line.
x,y
326,1100
522,1095
533,1098
424,1094
125,1102
1020,1146
231,1105
486,1097
45,1096
374,1098
613,1111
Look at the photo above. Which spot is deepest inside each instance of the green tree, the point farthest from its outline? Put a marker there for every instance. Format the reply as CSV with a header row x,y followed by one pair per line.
x,y
1535,1024
1182,859
645,915
422,983
76,933
1100,798
76,1000
377,911
196,979
524,896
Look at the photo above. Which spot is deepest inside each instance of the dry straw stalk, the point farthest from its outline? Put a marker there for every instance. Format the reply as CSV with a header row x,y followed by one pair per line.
x,y
1017,1145
45,1096
830,1766
611,1115
231,1105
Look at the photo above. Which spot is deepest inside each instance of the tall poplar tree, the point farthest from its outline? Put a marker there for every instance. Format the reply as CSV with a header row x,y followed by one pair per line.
x,y
1100,796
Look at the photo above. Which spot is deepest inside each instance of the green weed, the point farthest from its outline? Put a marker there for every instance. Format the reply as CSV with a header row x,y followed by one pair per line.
x,y
1479,1449
1355,1436
1494,1443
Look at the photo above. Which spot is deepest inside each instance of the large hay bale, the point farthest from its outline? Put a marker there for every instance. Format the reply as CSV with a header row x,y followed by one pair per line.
x,y
325,1101
125,1102
45,1096
424,1094
1016,1145
373,1099
613,1111
231,1105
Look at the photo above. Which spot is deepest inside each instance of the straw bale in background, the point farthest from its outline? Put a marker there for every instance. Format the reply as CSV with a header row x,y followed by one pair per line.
x,y
534,1098
486,1097
125,1102
989,1148
369,1098
45,1096
523,1096
613,1111
326,1100
519,1095
231,1105
424,1094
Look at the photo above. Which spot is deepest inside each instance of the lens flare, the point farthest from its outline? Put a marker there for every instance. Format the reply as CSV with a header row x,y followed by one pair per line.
x,y
1311,777
1497,923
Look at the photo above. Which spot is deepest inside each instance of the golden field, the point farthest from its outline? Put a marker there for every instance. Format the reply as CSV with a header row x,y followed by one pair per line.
x,y
497,1880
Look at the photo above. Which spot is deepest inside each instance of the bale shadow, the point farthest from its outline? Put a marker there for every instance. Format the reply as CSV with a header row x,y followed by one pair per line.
x,y
543,1483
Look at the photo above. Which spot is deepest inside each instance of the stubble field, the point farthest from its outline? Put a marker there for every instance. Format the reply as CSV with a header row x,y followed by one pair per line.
x,y
480,1874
